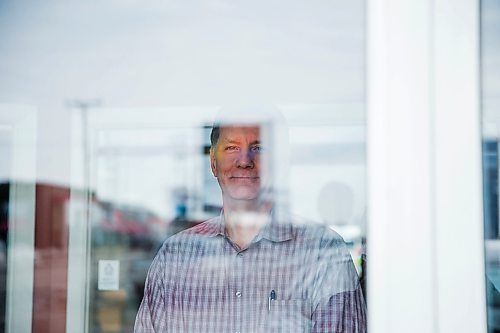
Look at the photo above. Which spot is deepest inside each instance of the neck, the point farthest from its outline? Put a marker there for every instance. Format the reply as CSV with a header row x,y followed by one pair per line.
x,y
244,222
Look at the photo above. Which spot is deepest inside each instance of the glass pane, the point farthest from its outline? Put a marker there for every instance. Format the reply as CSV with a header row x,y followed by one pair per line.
x,y
152,183
490,71
127,94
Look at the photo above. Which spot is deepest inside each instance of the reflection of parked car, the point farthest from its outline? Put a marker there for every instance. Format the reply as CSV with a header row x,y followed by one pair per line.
x,y
140,226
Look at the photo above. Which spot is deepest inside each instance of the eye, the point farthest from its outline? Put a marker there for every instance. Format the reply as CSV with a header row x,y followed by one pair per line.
x,y
231,148
257,148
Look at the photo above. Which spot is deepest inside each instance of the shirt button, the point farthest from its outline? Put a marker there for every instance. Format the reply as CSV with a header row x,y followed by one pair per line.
x,y
238,294
240,255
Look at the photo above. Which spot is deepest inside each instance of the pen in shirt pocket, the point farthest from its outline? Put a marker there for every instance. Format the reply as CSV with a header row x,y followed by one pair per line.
x,y
272,297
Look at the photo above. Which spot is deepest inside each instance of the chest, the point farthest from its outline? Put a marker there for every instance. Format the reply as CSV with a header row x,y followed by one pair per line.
x,y
221,273
230,290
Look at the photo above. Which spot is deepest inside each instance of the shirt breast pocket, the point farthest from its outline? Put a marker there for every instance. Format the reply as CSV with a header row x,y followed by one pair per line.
x,y
290,316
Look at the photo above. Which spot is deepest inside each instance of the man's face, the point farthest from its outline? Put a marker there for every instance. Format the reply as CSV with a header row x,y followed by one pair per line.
x,y
235,161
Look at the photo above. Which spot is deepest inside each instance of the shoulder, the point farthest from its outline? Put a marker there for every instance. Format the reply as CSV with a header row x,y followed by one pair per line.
x,y
319,233
192,236
320,241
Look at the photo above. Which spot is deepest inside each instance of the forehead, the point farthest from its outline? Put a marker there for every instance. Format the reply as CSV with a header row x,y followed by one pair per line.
x,y
240,133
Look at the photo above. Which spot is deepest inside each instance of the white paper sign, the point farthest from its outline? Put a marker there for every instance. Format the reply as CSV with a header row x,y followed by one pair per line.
x,y
109,275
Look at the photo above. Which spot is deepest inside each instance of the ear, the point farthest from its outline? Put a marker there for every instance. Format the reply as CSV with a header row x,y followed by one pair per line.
x,y
213,164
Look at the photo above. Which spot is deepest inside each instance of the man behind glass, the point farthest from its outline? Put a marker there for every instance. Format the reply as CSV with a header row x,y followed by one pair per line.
x,y
251,269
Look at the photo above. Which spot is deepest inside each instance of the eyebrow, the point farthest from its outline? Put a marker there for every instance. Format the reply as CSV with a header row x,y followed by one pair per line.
x,y
256,142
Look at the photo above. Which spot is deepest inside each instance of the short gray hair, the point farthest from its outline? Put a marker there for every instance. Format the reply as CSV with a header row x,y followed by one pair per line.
x,y
214,135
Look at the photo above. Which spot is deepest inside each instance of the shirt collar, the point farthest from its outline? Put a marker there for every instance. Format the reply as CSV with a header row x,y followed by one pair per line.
x,y
277,231
215,226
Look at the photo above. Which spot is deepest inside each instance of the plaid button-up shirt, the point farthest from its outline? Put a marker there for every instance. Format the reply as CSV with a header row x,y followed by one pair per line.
x,y
200,281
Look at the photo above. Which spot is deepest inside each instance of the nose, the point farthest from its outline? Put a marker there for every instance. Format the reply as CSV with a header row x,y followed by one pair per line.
x,y
246,159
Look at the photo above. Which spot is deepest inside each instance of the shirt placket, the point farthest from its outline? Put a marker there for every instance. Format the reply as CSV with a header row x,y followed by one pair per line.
x,y
239,292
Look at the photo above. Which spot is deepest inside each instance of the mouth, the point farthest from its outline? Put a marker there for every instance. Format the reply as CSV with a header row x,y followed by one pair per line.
x,y
244,178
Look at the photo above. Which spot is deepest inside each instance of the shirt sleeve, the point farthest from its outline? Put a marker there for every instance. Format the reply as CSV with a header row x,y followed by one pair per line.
x,y
340,305
151,317
343,312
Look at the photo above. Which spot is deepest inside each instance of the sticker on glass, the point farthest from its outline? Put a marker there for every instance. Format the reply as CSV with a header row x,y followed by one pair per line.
x,y
109,275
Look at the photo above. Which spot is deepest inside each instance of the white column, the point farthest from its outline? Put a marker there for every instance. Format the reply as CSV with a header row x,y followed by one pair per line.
x,y
461,303
400,235
425,223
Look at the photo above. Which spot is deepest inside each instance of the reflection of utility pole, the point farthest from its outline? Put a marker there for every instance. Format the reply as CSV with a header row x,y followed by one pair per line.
x,y
83,106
